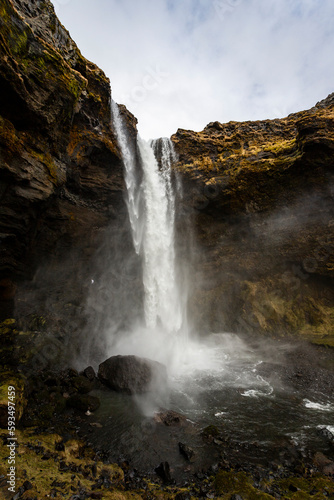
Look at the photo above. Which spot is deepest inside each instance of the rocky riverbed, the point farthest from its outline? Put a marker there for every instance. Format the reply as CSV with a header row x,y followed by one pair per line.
x,y
63,439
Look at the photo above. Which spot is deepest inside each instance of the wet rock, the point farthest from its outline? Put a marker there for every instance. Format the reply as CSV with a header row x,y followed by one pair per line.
x,y
210,432
244,182
170,418
82,384
163,471
327,432
25,487
187,452
89,372
83,402
325,465
132,375
61,168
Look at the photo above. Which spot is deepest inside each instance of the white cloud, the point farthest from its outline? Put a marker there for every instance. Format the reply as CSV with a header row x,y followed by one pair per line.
x,y
184,64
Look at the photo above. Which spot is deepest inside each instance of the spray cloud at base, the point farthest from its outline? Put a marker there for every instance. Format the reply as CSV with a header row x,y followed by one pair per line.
x,y
163,332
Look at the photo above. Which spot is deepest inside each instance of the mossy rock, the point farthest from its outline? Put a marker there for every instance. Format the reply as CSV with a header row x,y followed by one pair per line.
x,y
42,462
7,326
11,382
82,384
210,431
37,323
298,488
229,483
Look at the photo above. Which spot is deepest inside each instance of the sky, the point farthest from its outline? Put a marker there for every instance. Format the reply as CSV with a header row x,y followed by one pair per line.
x,y
185,63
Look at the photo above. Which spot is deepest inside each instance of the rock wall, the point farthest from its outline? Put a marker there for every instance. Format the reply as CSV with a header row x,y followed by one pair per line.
x,y
260,195
61,175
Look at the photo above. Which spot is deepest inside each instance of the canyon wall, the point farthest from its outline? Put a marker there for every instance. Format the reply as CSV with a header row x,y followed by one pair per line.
x,y
61,174
260,195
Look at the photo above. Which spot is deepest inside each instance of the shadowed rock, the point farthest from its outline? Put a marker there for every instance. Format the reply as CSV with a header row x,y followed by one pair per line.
x,y
170,417
163,471
132,375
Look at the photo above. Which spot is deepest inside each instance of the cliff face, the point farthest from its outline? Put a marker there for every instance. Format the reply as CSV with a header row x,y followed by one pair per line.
x,y
61,178
259,194
261,198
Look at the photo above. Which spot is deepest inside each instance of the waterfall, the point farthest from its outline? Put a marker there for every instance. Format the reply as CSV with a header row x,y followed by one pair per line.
x,y
151,207
162,295
131,178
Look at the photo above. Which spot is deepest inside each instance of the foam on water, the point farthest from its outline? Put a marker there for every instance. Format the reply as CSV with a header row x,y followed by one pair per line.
x,y
164,334
318,406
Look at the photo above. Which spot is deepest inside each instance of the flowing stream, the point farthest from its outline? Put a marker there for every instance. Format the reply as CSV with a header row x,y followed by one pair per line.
x,y
222,381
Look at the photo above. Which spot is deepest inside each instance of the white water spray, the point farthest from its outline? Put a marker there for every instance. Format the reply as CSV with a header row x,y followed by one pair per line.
x,y
151,206
162,304
131,178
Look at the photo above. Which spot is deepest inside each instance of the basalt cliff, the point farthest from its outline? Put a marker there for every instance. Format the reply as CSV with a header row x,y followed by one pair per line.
x,y
255,230
260,195
61,174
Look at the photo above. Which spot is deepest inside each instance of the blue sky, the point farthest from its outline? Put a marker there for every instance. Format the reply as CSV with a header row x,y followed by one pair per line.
x,y
184,64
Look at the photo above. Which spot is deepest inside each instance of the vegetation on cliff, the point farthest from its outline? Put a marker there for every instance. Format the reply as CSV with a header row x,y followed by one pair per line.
x,y
261,197
61,170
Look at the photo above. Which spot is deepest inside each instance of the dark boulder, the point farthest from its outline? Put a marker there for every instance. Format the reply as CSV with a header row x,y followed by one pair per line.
x,y
82,384
186,451
89,372
132,375
163,471
170,418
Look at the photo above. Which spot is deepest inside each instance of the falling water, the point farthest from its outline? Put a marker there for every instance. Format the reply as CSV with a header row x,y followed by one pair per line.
x,y
162,294
151,206
131,178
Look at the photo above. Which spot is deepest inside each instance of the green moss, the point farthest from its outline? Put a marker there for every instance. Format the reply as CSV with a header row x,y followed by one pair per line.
x,y
37,322
9,322
9,137
42,472
276,309
238,483
281,146
8,381
210,430
46,159
298,488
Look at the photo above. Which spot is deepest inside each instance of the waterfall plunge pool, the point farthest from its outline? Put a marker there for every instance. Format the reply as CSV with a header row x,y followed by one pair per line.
x,y
267,404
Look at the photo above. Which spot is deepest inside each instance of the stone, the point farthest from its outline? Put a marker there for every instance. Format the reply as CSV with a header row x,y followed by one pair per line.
x,y
132,375
89,372
186,451
170,418
258,195
82,384
163,471
61,167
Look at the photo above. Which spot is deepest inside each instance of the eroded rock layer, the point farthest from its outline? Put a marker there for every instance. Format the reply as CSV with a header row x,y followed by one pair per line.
x,y
261,197
61,175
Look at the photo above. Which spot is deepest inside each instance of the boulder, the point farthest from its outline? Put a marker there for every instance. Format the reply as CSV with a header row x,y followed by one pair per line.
x,y
163,471
187,452
89,373
132,375
170,418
